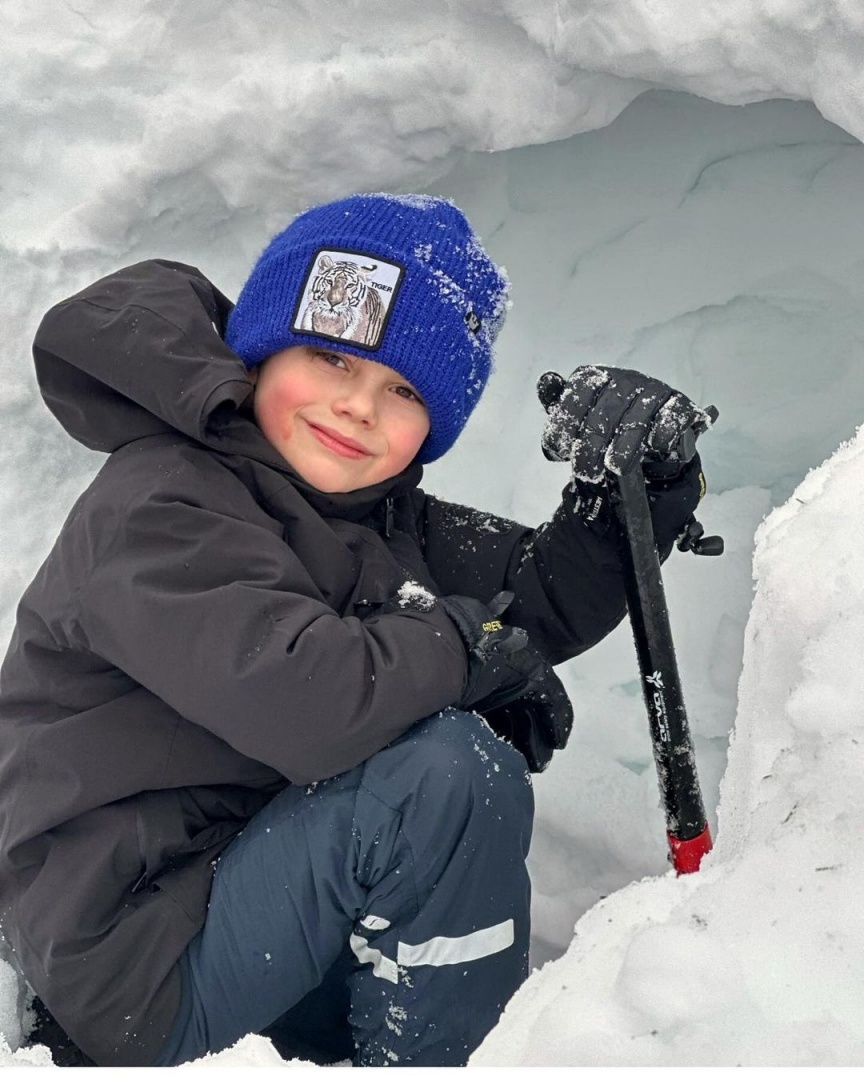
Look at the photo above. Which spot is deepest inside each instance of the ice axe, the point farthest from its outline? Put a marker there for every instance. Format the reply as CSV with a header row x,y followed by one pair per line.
x,y
687,828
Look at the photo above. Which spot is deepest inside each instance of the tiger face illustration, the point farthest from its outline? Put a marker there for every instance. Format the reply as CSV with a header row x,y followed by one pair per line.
x,y
342,303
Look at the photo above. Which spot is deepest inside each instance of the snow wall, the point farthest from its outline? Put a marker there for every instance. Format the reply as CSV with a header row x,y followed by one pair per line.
x,y
719,248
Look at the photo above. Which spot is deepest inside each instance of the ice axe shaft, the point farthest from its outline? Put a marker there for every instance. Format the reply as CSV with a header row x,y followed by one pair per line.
x,y
686,826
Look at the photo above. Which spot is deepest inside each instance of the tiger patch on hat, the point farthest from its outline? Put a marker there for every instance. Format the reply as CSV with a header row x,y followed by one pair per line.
x,y
347,296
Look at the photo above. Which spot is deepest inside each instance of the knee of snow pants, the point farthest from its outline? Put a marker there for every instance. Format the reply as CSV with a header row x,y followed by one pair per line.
x,y
412,866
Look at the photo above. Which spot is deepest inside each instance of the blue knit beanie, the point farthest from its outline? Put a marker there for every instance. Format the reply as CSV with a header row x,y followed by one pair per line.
x,y
401,279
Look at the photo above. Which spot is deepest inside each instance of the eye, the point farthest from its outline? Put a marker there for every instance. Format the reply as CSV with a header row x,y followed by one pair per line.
x,y
408,393
331,358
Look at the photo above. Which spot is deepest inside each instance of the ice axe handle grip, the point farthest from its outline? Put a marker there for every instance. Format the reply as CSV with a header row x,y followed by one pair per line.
x,y
686,824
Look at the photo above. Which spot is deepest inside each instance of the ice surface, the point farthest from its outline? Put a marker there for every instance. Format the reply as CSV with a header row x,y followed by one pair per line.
x,y
718,248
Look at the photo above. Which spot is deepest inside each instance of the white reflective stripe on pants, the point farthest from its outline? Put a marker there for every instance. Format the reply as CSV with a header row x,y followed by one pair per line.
x,y
437,951
382,967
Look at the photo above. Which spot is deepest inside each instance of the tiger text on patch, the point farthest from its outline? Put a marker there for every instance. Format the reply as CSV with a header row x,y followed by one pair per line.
x,y
347,296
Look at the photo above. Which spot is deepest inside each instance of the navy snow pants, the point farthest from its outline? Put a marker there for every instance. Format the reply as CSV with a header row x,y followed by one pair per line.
x,y
384,911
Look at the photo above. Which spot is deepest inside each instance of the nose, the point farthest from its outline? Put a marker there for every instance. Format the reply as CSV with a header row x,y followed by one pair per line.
x,y
358,401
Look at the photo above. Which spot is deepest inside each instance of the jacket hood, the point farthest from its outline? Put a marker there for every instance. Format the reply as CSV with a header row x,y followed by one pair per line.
x,y
140,353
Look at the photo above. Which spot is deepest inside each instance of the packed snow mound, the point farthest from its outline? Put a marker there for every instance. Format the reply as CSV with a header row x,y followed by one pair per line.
x,y
252,1051
262,109
757,959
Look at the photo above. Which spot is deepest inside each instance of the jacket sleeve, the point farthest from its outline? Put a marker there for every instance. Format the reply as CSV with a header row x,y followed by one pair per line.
x,y
566,575
217,616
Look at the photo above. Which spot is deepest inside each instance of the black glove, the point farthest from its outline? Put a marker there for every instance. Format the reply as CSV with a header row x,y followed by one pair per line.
x,y
603,420
673,497
509,680
537,723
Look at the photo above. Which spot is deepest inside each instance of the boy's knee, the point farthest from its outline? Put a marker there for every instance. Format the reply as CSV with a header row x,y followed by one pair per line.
x,y
453,759
454,789
458,750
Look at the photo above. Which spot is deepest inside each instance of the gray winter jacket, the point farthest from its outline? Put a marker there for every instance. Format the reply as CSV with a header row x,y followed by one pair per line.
x,y
206,630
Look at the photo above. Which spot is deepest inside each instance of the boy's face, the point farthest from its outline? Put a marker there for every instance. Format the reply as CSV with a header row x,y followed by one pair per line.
x,y
341,422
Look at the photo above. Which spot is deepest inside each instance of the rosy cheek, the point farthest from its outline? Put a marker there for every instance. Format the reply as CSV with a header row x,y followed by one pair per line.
x,y
280,403
271,415
411,441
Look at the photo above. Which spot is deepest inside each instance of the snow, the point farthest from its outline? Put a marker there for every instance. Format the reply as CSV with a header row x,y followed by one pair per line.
x,y
756,960
716,247
414,596
253,1050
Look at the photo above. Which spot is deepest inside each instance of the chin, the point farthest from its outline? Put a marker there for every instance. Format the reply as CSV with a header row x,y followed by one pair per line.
x,y
326,482
334,488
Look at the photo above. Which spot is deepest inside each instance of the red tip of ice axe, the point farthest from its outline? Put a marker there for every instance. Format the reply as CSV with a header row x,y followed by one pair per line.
x,y
686,855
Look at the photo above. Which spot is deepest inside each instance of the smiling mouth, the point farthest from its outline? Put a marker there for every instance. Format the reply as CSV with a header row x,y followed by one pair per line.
x,y
339,444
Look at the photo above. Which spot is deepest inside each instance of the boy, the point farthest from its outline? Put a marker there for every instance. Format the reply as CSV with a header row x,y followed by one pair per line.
x,y
242,778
